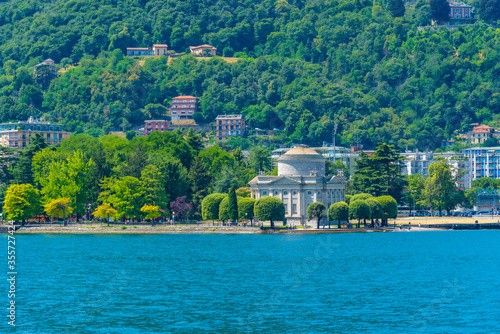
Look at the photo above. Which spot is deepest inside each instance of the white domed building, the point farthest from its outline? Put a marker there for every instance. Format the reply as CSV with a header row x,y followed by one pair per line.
x,y
301,180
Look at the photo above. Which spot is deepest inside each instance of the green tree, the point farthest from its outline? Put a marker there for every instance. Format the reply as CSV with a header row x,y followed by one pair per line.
x,y
21,170
440,187
210,206
58,208
389,208
397,7
316,210
489,10
348,198
415,190
362,196
380,174
126,194
68,179
246,208
259,159
269,208
333,168
338,212
152,183
359,209
22,201
376,209
440,10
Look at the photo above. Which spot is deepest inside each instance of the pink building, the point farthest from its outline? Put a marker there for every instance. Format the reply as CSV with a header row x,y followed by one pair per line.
x,y
155,125
183,107
461,13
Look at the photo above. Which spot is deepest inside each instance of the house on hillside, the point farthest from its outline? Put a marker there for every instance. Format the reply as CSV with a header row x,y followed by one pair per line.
x,y
460,13
482,133
156,50
229,126
44,72
183,107
155,125
18,134
203,50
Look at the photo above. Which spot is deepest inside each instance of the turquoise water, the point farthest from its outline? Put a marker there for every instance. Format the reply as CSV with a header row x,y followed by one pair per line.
x,y
431,282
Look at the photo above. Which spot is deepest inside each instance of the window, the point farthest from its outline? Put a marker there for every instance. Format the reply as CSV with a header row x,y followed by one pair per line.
x,y
294,208
264,193
309,193
286,208
275,193
285,193
294,193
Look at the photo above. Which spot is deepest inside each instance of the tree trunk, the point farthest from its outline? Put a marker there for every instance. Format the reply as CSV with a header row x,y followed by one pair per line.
x,y
339,224
64,217
318,222
272,224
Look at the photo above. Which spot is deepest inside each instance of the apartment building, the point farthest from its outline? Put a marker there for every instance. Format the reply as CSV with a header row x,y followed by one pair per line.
x,y
229,126
419,162
183,107
485,161
17,134
155,125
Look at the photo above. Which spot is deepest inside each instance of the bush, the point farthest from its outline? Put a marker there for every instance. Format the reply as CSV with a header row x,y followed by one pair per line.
x,y
210,206
348,199
246,208
224,214
360,197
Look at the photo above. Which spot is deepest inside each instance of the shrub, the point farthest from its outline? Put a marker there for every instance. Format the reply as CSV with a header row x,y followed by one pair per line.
x,y
210,206
246,207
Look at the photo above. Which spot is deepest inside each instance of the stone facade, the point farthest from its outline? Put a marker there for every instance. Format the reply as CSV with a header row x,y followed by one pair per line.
x,y
301,180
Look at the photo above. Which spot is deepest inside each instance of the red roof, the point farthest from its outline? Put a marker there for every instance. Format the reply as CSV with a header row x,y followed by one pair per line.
x,y
184,97
143,49
160,45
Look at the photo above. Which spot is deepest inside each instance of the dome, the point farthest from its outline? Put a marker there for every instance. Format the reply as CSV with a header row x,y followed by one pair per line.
x,y
301,153
301,161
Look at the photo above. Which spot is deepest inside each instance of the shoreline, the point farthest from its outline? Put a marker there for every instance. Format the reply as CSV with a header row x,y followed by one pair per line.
x,y
94,229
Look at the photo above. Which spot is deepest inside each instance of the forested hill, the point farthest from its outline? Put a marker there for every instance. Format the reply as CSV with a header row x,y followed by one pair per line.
x,y
307,64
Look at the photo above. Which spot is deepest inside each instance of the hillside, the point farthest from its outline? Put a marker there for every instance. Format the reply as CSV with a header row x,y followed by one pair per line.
x,y
308,63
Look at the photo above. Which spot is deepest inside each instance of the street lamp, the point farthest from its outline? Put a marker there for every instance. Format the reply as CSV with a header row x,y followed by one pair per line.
x,y
173,217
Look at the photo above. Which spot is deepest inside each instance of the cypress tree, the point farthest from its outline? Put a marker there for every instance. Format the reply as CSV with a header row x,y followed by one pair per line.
x,y
233,204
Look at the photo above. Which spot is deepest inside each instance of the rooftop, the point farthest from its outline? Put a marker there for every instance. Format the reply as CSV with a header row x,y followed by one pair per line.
x,y
229,116
205,46
184,97
160,45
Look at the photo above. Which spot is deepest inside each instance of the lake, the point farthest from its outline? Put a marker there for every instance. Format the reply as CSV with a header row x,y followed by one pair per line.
x,y
428,282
